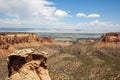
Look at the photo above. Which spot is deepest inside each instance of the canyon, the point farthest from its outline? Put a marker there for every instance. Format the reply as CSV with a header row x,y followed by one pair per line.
x,y
91,60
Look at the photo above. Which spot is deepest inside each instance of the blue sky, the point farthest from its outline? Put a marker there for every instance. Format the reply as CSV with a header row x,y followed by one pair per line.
x,y
108,9
86,15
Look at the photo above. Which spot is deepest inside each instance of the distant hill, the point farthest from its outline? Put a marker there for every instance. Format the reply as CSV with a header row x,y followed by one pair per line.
x,y
19,29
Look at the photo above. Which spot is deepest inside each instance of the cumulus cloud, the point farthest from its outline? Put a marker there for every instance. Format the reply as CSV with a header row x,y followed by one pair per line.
x,y
43,13
61,13
31,9
93,16
30,13
88,16
81,15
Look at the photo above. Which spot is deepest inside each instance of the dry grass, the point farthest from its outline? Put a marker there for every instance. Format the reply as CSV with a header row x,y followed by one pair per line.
x,y
86,62
101,44
5,52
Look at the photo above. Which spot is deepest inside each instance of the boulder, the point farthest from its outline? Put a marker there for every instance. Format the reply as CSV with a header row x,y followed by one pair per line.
x,y
28,64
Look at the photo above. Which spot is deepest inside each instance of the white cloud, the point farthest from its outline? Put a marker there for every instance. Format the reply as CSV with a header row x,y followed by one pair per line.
x,y
98,23
92,26
98,26
10,21
102,24
87,16
42,13
31,9
93,16
30,13
60,13
81,15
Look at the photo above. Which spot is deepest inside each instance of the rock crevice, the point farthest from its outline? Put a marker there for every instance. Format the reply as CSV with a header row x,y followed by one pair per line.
x,y
28,64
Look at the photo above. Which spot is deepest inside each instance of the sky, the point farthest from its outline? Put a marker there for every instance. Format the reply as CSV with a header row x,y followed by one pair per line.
x,y
85,15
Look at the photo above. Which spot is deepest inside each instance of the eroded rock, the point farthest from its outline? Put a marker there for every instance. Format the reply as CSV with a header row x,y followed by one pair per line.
x,y
111,37
28,64
7,39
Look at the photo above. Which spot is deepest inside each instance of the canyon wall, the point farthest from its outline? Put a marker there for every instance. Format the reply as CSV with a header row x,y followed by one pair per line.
x,y
7,39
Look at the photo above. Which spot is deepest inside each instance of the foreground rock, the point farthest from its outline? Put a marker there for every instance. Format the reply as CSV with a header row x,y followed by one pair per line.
x,y
111,37
28,64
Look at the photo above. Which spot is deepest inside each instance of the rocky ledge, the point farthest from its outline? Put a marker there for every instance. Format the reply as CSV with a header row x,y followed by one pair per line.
x,y
28,64
111,37
11,38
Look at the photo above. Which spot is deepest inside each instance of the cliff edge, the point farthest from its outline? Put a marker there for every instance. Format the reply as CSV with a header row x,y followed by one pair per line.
x,y
7,39
111,37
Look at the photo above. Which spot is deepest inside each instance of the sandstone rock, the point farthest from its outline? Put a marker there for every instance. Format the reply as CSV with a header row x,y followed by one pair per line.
x,y
111,37
28,64
7,39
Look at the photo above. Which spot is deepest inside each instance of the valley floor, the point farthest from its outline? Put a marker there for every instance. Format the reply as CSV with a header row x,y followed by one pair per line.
x,y
88,61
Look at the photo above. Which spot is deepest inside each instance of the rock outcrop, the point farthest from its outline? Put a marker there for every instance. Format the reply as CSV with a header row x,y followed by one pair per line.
x,y
8,39
111,37
28,64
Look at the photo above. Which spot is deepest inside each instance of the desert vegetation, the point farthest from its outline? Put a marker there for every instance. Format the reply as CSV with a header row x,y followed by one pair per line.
x,y
86,62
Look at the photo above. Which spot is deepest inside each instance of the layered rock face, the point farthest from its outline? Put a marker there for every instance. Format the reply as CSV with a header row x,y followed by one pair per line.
x,y
28,64
7,39
111,37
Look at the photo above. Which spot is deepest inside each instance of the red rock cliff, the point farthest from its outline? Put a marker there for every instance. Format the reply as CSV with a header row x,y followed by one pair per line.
x,y
111,37
7,39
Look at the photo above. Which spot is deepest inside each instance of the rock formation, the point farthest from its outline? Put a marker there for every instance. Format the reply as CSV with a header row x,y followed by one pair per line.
x,y
111,37
7,39
28,64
